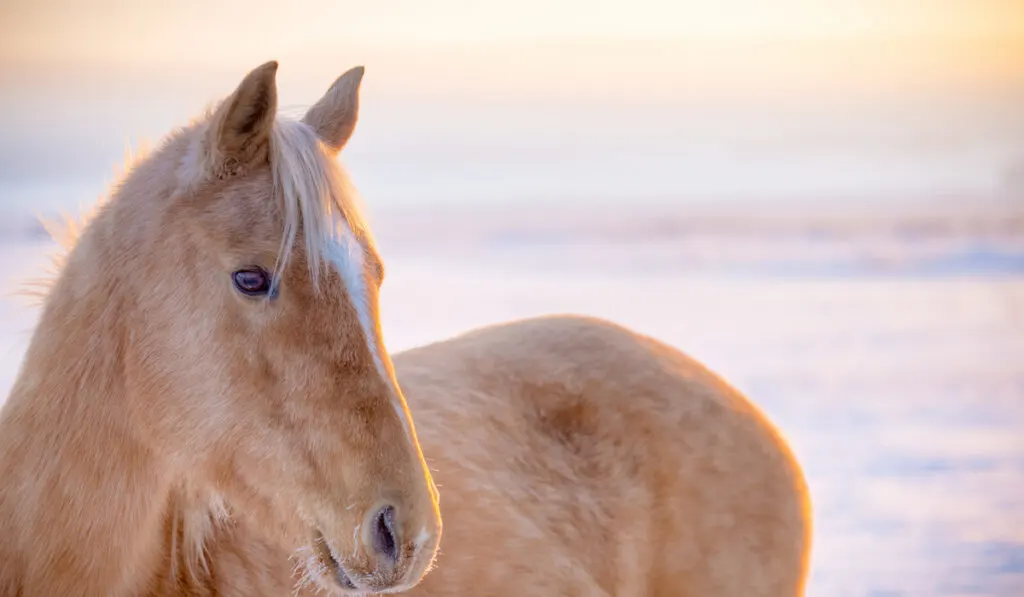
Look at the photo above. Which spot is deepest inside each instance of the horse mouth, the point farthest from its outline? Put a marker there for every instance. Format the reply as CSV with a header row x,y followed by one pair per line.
x,y
334,569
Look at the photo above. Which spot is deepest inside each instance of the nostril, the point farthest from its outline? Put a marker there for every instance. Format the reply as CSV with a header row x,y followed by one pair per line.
x,y
385,541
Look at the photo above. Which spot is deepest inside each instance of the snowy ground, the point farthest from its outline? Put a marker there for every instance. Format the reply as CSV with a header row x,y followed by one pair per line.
x,y
901,388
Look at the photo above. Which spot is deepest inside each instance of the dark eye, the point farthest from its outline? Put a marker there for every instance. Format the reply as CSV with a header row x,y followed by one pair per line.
x,y
253,281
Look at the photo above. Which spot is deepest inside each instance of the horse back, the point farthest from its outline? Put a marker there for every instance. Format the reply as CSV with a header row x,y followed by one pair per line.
x,y
577,457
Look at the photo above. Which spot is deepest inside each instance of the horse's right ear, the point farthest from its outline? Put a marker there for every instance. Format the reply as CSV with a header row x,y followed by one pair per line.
x,y
334,116
241,126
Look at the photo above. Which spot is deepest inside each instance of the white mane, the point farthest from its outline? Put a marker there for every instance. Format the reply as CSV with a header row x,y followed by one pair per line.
x,y
310,183
317,197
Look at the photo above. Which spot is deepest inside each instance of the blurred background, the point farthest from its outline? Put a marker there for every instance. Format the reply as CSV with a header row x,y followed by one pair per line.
x,y
823,200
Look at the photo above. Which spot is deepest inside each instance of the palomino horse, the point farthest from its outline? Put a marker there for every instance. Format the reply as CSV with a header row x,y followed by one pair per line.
x,y
210,351
207,409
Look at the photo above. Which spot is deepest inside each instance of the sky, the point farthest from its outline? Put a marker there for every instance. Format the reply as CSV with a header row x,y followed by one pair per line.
x,y
149,29
468,101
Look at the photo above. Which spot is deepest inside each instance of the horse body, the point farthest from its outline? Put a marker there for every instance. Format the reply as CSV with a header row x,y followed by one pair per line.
x,y
575,457
207,408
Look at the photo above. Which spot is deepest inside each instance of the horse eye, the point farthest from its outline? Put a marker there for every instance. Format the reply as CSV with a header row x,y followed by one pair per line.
x,y
252,281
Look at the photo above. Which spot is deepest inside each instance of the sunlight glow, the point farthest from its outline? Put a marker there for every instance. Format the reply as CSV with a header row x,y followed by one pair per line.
x,y
200,32
555,90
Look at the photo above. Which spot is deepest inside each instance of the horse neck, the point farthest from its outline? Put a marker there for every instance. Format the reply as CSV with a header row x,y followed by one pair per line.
x,y
83,493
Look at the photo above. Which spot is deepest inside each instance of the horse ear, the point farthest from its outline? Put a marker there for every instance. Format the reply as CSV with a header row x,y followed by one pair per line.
x,y
242,124
334,116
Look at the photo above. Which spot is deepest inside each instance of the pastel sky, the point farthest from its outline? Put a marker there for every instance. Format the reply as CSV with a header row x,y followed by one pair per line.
x,y
232,34
548,91
148,29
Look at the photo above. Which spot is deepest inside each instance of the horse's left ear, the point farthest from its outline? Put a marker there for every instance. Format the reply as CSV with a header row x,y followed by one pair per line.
x,y
242,124
334,116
